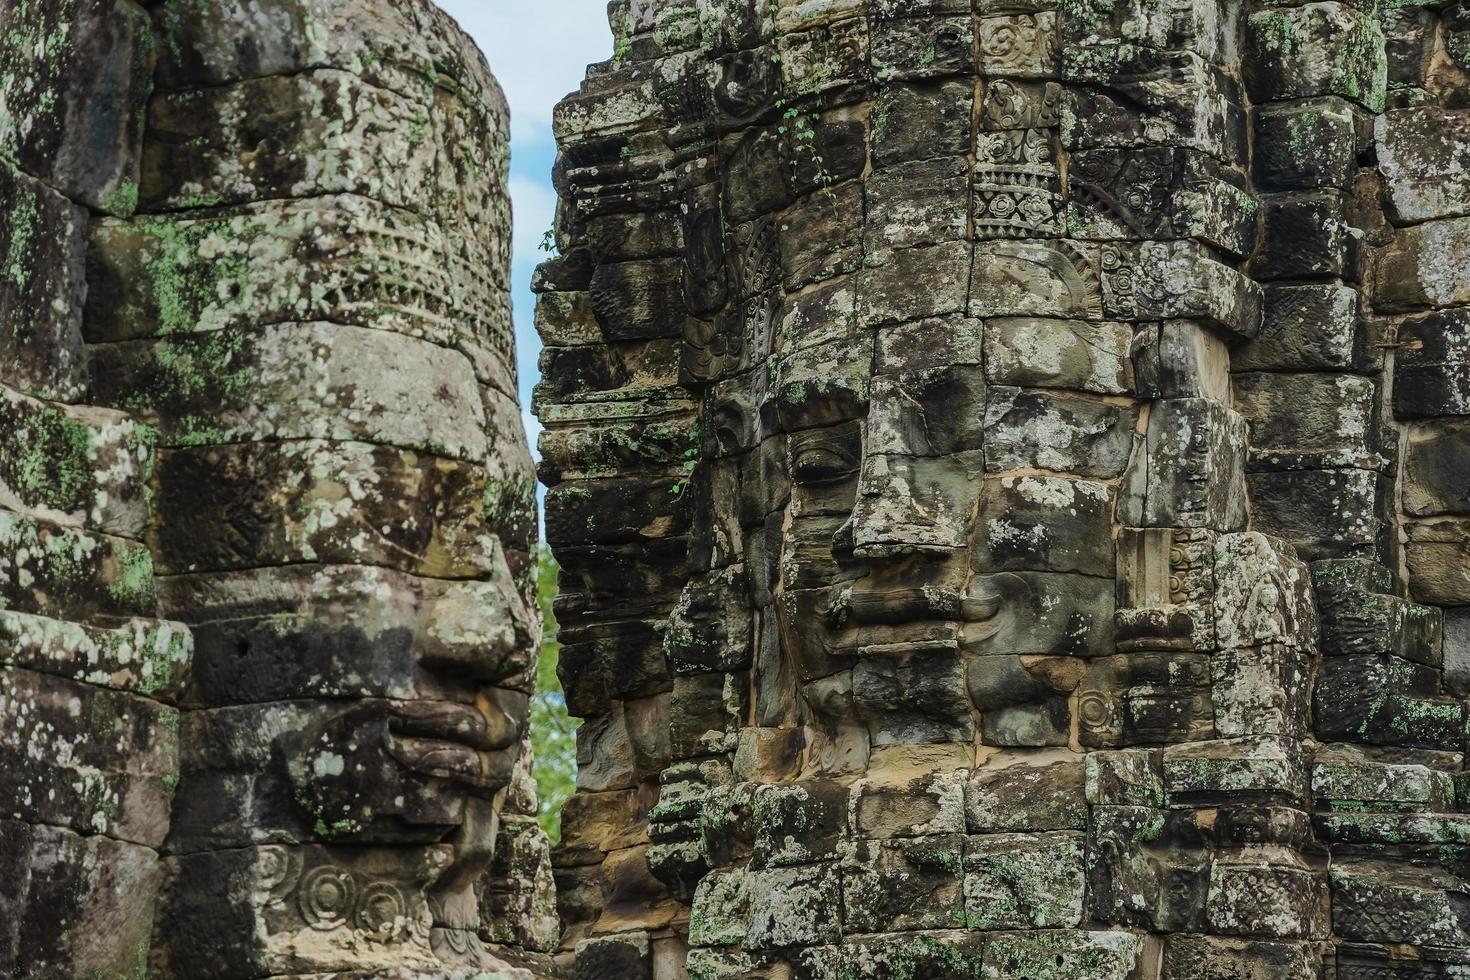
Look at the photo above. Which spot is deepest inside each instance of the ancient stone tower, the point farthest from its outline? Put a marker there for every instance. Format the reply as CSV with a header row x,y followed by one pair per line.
x,y
1009,464
266,508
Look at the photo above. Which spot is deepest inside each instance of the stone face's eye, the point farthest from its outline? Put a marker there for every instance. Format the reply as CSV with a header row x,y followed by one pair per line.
x,y
823,455
820,463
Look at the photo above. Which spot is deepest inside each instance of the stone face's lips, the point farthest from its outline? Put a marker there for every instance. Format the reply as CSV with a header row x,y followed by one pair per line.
x,y
443,740
899,606
437,758
442,720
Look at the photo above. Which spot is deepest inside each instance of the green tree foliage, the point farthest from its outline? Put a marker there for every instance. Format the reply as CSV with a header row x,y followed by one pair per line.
x,y
553,733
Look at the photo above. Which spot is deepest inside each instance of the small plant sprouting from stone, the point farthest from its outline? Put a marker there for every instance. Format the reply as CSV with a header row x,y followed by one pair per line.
x,y
689,461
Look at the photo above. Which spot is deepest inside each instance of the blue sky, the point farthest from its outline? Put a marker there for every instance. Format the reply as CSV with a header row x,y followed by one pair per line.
x,y
539,49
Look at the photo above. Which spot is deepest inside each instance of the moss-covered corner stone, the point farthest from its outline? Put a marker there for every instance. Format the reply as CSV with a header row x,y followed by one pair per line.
x,y
75,79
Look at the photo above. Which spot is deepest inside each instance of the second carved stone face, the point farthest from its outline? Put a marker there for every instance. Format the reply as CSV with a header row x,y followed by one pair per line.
x,y
939,563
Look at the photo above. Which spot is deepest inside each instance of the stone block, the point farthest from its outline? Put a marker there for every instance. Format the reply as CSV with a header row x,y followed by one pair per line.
x,y
327,896
911,48
922,120
1179,281
343,259
1316,49
88,759
101,891
1158,192
1340,776
1261,691
1306,236
1020,111
822,315
1166,589
914,801
1277,900
798,824
81,467
1256,766
1436,470
1029,429
1438,558
1032,881
822,237
903,884
912,696
932,413
78,576
1037,352
593,824
1192,471
77,84
938,955
344,631
326,133
142,656
915,283
1180,359
1035,279
1457,651
298,381
1306,327
1145,699
314,500
622,102
1065,955
1194,957
1432,369
1383,903
916,502
793,907
1425,265
1382,700
1305,144
43,236
1130,777
1044,524
1042,614
1026,792
1335,513
1359,614
1424,154
930,344
1208,29
1311,421
710,628
1147,868
1134,96
920,202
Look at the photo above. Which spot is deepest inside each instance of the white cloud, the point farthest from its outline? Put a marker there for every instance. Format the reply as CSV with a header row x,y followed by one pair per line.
x,y
539,49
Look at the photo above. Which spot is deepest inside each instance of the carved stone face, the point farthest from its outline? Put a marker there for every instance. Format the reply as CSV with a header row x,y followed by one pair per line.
x,y
942,494
343,509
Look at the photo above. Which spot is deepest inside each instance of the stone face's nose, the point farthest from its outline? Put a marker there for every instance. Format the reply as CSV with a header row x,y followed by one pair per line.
x,y
921,461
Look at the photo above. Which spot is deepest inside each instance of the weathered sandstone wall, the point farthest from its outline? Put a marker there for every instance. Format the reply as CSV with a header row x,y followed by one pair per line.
x,y
1007,464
